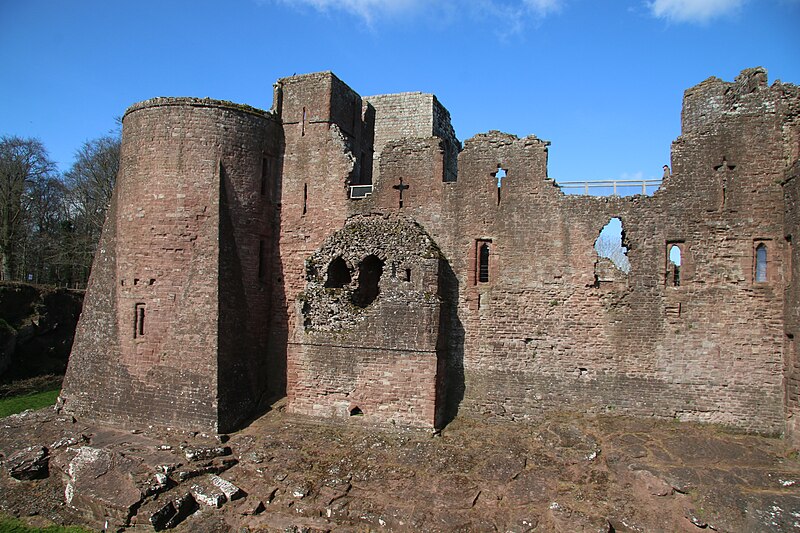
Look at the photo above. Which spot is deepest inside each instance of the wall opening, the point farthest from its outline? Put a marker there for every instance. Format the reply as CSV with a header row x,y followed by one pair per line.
x,y
761,262
262,260
788,262
305,198
674,264
483,262
338,274
138,321
303,123
499,175
609,244
264,174
408,274
369,275
356,411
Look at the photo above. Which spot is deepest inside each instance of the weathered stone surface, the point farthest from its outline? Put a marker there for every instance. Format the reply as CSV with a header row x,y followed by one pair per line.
x,y
205,453
99,483
219,204
28,463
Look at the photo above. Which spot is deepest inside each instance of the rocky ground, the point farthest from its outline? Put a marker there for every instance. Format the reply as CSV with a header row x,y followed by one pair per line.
x,y
288,473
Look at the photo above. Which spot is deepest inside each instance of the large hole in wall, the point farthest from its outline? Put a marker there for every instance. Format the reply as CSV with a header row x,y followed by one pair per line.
x,y
609,245
369,276
338,274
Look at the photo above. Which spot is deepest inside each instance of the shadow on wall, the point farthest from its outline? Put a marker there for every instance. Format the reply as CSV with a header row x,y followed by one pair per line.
x,y
449,348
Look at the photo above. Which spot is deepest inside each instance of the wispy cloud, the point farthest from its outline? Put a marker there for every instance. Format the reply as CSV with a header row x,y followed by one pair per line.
x,y
698,11
371,11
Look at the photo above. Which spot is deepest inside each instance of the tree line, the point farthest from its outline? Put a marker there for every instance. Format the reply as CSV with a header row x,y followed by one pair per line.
x,y
50,222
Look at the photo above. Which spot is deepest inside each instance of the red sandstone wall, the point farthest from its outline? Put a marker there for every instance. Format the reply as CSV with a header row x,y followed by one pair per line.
x,y
792,304
319,162
162,245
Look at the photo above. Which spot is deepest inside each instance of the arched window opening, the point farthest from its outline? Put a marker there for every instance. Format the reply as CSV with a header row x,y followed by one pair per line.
x,y
483,263
761,262
338,274
609,245
674,270
369,276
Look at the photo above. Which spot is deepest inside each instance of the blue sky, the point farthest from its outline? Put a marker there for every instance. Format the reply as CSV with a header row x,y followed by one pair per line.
x,y
603,81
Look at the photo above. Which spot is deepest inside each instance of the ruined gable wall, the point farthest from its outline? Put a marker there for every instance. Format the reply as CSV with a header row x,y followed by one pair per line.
x,y
541,334
379,356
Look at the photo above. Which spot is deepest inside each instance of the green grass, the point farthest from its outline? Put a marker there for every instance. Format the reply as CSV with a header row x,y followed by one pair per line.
x,y
15,525
36,400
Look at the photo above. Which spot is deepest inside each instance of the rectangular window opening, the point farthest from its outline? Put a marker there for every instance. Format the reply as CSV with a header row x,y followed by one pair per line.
x,y
265,172
138,325
262,266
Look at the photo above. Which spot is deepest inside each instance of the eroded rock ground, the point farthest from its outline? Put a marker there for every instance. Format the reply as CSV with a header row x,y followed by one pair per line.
x,y
289,473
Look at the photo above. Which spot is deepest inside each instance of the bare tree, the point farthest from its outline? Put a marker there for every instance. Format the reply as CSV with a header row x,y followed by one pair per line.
x,y
23,162
90,182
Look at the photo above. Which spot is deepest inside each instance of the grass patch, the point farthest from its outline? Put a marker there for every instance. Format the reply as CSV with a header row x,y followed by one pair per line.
x,y
15,525
36,400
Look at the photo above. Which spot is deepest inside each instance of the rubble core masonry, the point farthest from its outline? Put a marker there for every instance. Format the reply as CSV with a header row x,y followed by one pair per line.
x,y
351,254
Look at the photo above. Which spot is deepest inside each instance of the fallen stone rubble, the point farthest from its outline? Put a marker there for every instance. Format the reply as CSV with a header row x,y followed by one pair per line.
x,y
562,474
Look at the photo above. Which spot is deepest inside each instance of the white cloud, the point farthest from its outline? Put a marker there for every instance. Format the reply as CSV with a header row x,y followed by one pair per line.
x,y
514,11
693,10
544,7
369,10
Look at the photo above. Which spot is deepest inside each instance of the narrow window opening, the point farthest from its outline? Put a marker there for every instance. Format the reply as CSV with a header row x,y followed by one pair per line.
x,y
408,274
356,411
788,262
338,274
674,270
303,124
151,282
761,262
262,267
138,324
483,263
122,282
369,275
305,198
135,281
499,175
264,175
609,244
394,270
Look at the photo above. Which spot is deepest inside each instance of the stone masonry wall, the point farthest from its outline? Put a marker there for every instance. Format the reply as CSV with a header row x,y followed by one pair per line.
x,y
227,222
791,317
150,349
367,351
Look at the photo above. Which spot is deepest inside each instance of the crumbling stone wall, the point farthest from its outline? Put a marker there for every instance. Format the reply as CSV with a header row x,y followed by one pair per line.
x,y
371,312
791,188
516,309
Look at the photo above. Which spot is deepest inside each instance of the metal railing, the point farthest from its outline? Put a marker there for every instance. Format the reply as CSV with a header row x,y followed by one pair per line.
x,y
360,191
612,187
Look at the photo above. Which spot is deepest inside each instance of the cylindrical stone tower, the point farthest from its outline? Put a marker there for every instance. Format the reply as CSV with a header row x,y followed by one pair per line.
x,y
174,331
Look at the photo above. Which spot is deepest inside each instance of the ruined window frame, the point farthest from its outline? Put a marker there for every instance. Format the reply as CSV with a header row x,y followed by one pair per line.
x,y
480,267
761,264
674,278
139,314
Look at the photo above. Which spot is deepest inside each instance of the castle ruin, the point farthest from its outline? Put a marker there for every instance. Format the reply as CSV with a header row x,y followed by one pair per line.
x,y
350,254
